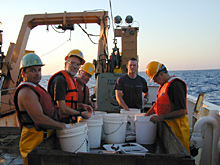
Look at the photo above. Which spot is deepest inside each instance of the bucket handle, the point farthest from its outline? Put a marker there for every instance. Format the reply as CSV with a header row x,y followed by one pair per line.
x,y
114,130
86,137
131,119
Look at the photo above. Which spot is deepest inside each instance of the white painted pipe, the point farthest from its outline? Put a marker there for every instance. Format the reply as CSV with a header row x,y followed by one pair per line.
x,y
197,136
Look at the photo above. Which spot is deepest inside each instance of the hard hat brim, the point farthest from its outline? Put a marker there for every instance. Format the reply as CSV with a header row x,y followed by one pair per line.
x,y
82,61
32,65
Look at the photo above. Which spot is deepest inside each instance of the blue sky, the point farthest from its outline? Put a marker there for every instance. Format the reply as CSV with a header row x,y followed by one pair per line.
x,y
182,34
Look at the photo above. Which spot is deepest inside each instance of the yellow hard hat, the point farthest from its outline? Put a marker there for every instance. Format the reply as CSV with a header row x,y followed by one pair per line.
x,y
76,53
88,68
152,69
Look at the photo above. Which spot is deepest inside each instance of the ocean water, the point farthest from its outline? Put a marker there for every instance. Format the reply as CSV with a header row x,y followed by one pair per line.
x,y
206,81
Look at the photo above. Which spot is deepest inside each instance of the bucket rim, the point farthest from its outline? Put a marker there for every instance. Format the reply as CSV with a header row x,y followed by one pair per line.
x,y
94,119
140,117
72,134
73,127
100,112
115,115
115,122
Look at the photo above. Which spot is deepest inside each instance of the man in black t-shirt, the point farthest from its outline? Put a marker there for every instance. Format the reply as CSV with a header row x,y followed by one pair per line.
x,y
129,88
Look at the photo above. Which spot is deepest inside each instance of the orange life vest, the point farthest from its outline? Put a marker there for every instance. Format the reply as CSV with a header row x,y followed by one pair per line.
x,y
163,105
45,101
72,93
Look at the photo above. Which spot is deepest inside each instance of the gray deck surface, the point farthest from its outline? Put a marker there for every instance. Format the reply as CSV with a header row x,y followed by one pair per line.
x,y
9,146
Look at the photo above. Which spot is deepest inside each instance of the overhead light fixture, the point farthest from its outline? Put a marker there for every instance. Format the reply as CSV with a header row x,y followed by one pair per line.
x,y
118,19
129,19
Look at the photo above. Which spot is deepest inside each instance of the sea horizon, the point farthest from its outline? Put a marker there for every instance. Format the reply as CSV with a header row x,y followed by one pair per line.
x,y
168,70
205,81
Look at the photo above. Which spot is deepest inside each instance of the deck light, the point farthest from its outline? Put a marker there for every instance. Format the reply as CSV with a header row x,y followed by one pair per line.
x,y
129,19
117,19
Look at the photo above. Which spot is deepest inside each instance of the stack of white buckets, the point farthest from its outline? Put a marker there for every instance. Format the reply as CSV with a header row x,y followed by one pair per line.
x,y
110,127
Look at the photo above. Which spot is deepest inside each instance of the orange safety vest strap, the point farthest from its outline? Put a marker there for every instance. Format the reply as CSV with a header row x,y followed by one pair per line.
x,y
71,100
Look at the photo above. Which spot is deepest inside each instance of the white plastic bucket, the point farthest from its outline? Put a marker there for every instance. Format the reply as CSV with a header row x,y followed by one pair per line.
x,y
115,128
75,138
101,114
95,131
131,116
146,131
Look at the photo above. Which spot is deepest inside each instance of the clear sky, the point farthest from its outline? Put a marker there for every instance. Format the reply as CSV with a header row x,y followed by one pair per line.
x,y
182,34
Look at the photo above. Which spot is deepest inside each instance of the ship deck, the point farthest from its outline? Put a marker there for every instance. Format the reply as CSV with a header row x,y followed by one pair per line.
x,y
167,150
9,146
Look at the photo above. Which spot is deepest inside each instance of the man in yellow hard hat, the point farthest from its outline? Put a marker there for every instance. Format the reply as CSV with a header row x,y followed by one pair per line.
x,y
62,88
171,103
85,73
34,106
130,87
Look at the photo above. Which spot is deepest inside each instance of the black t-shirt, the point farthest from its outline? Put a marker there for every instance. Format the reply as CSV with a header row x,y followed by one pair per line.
x,y
132,90
58,88
177,94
